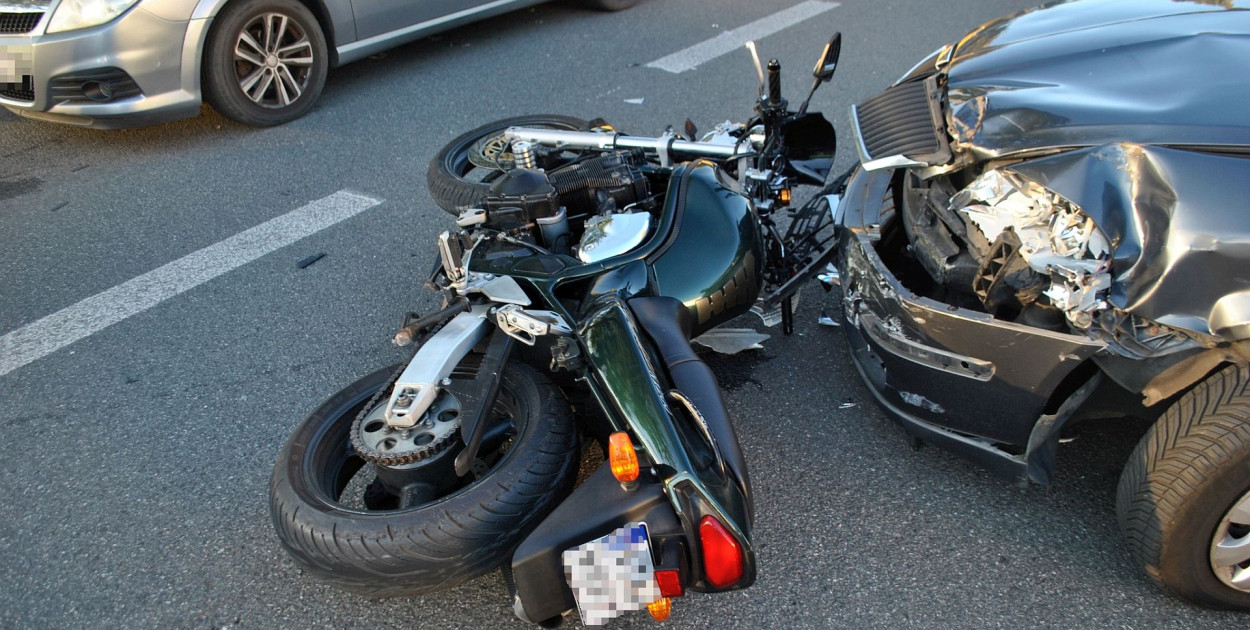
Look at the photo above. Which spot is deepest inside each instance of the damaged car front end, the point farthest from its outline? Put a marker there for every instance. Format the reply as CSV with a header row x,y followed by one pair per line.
x,y
1052,212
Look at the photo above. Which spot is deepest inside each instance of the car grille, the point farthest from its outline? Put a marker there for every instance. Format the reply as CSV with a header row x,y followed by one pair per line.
x,y
16,23
902,126
18,91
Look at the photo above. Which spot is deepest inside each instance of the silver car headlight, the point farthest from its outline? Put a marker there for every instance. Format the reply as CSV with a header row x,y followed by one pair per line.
x,y
75,14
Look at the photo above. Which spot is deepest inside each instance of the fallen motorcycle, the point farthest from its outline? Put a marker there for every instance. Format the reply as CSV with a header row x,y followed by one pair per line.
x,y
583,263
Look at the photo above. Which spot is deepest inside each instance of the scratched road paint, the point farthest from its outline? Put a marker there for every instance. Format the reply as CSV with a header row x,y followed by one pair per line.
x,y
62,328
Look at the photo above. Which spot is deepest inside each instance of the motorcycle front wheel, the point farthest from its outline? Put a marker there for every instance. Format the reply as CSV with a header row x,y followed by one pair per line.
x,y
461,174
387,548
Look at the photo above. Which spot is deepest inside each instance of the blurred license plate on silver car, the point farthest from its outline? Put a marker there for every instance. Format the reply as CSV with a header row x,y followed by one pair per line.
x,y
612,575
16,63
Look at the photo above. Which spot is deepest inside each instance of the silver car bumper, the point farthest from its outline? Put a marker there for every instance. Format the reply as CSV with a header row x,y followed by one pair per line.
x,y
149,65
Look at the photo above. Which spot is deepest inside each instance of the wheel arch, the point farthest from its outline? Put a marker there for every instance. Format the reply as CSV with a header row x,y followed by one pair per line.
x,y
332,26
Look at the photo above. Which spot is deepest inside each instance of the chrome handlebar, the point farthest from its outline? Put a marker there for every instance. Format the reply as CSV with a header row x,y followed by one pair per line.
x,y
665,146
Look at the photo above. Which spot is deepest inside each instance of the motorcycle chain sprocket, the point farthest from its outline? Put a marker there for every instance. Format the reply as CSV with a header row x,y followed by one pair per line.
x,y
403,458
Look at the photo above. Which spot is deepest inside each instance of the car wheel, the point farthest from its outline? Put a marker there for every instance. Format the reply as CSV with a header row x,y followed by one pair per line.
x,y
446,529
1184,497
265,62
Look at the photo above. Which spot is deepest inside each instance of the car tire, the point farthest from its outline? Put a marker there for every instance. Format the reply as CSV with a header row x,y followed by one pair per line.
x,y
263,76
385,551
457,177
1184,496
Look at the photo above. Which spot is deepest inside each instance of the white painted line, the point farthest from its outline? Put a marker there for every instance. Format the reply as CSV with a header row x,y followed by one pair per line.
x,y
729,41
45,336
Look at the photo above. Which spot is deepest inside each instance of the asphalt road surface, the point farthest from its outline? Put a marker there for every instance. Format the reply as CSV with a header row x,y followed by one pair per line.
x,y
135,449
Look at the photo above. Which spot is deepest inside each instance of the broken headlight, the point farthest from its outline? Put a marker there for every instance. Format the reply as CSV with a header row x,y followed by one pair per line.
x,y
1034,247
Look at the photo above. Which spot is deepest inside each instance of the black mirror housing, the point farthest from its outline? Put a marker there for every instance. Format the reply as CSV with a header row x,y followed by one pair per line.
x,y
828,63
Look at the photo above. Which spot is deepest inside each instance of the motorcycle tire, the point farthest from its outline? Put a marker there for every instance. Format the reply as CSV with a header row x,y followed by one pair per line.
x,y
1183,501
461,172
439,544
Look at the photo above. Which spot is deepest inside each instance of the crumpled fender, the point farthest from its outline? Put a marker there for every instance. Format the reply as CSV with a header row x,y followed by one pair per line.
x,y
1178,225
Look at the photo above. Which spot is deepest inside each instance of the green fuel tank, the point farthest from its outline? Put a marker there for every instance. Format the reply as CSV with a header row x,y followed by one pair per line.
x,y
713,258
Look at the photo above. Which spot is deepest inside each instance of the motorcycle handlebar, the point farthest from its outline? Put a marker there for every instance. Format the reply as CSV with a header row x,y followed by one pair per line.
x,y
609,141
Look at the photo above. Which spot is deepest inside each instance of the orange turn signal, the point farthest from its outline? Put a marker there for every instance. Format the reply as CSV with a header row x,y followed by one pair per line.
x,y
622,457
784,195
660,609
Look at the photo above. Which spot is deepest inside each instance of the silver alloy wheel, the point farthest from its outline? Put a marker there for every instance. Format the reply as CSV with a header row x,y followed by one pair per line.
x,y
273,60
1230,547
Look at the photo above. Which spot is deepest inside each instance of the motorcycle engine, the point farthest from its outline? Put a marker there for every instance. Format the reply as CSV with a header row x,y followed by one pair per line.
x,y
552,208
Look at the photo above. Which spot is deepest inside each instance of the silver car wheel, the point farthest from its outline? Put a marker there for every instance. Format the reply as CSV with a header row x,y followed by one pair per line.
x,y
273,58
1230,547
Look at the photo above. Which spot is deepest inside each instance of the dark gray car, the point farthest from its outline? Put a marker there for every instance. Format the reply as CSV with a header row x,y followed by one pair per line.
x,y
122,63
1050,223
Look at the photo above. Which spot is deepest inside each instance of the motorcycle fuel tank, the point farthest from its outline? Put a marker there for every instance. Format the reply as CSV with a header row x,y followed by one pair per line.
x,y
712,261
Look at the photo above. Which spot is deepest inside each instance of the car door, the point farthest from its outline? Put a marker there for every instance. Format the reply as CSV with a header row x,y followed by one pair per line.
x,y
376,17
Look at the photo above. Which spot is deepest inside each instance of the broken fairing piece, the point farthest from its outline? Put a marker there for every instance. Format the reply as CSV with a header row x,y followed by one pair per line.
x,y
731,340
772,316
1057,240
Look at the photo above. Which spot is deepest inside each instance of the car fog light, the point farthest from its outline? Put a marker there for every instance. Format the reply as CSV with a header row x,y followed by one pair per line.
x,y
97,91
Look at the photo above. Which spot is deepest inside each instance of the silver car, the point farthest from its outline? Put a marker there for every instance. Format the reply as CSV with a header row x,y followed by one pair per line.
x,y
123,63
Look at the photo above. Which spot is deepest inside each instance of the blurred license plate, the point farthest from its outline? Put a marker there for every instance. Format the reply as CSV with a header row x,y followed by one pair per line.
x,y
612,575
16,63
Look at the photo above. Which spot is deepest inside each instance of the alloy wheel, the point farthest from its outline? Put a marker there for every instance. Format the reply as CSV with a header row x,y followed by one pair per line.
x,y
273,59
1230,547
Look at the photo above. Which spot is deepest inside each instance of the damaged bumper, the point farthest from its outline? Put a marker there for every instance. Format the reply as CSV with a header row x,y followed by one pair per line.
x,y
926,361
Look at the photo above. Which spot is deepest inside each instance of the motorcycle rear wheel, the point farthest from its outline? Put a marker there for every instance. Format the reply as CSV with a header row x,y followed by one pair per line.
x,y
461,174
434,545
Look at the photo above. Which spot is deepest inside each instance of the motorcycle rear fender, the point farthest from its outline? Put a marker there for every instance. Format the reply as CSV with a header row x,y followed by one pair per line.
x,y
631,388
598,507
671,497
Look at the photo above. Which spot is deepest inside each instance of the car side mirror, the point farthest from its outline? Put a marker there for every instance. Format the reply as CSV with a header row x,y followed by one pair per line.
x,y
828,63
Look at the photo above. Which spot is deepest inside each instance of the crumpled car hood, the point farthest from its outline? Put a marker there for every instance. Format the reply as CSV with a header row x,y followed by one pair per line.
x,y
1171,72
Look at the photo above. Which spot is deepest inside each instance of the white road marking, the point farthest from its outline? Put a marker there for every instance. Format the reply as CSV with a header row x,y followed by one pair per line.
x,y
729,41
45,336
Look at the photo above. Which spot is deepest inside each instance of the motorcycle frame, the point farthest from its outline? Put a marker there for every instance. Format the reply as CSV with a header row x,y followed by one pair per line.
x,y
625,374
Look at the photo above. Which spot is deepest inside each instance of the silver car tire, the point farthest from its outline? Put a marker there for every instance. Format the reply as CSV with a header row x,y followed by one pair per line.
x,y
1184,497
265,62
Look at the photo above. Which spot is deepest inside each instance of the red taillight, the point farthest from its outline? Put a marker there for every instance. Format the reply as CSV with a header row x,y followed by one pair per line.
x,y
669,582
722,557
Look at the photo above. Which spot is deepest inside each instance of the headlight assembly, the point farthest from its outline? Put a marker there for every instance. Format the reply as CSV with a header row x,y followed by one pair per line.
x,y
1052,235
75,14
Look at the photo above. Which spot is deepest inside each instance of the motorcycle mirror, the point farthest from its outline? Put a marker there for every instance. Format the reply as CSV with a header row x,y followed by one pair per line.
x,y
828,63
